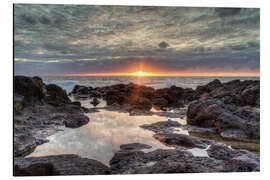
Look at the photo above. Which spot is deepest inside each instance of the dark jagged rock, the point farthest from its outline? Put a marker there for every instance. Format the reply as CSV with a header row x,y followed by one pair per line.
x,y
40,111
162,126
240,93
25,144
56,95
29,88
160,102
180,160
134,146
209,87
75,121
81,90
95,102
215,113
182,140
237,160
58,165
123,94
142,104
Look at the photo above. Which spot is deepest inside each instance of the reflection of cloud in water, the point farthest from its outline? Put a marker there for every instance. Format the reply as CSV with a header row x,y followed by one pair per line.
x,y
102,136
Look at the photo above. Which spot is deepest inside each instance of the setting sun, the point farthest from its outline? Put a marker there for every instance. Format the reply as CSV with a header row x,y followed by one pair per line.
x,y
140,73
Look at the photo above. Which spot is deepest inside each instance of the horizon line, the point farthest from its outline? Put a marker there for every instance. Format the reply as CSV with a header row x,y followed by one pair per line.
x,y
157,75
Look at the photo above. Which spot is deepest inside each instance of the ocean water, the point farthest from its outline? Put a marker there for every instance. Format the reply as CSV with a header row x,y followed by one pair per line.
x,y
68,82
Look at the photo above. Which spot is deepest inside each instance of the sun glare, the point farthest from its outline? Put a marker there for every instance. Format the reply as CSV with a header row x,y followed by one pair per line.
x,y
141,73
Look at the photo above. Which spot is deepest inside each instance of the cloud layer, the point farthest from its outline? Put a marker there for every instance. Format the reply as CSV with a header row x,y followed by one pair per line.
x,y
68,39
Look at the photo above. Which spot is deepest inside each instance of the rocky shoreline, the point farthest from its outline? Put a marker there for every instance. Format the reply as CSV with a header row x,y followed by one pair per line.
x,y
229,110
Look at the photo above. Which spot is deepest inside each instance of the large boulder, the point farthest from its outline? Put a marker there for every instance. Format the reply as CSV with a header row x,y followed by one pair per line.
x,y
176,96
215,113
209,87
56,95
68,164
160,102
240,93
141,104
30,88
76,120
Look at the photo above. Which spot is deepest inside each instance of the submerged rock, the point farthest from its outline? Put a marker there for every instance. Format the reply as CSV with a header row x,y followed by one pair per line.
x,y
171,139
162,126
75,121
135,146
68,164
95,102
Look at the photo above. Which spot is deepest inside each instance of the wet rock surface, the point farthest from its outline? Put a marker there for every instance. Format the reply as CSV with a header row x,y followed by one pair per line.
x,y
241,122
138,96
40,111
180,160
171,139
229,110
68,164
240,93
134,146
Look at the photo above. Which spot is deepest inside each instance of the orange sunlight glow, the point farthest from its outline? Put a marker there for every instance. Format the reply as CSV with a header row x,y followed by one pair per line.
x,y
141,73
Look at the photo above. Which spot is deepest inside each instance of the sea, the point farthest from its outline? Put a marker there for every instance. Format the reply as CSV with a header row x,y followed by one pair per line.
x,y
68,82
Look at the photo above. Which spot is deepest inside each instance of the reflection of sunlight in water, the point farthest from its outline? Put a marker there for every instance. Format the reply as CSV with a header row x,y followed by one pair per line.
x,y
102,136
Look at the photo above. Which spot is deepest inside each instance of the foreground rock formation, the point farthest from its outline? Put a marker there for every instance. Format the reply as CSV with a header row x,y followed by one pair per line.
x,y
39,111
58,165
219,158
231,108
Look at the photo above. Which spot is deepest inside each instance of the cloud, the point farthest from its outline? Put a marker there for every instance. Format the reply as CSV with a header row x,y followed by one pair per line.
x,y
116,36
223,12
44,20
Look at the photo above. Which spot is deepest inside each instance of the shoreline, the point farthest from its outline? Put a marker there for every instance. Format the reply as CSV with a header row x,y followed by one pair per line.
x,y
207,101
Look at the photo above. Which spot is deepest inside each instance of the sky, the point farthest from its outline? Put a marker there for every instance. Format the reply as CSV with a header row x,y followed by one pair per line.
x,y
118,40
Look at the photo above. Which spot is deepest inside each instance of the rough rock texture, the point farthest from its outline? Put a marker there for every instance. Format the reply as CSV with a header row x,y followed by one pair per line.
x,y
162,126
68,164
39,111
95,101
131,94
135,146
175,140
209,87
180,160
215,113
29,88
240,93
75,121
56,95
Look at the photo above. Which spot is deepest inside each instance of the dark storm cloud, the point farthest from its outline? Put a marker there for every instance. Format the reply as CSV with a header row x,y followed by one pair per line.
x,y
163,44
73,39
223,12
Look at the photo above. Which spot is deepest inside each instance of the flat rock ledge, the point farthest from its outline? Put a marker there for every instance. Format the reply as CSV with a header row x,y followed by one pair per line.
x,y
68,164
